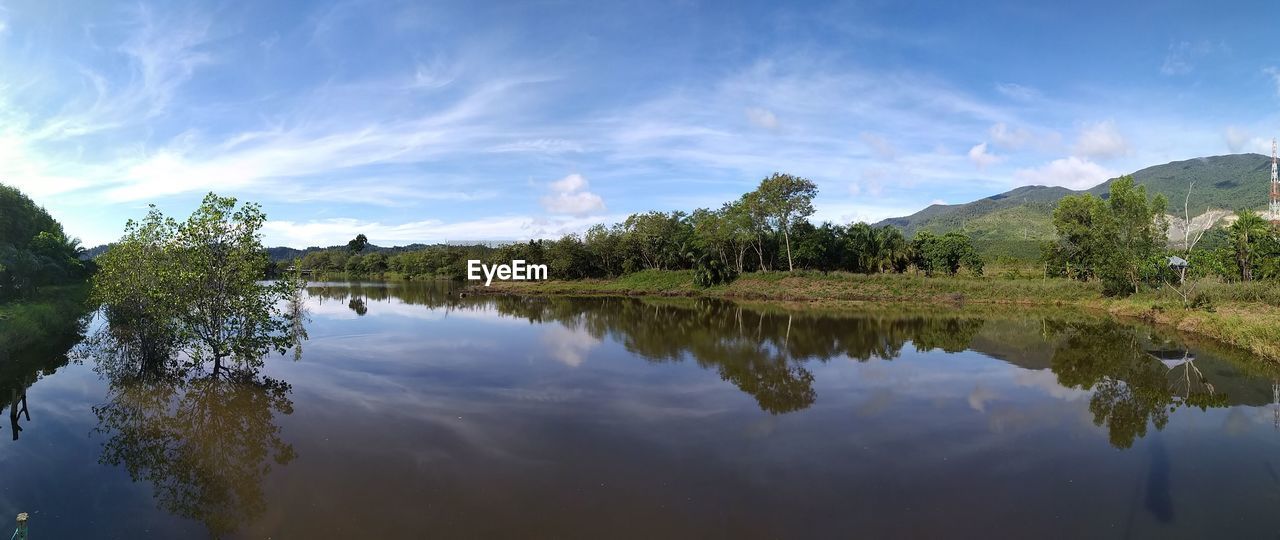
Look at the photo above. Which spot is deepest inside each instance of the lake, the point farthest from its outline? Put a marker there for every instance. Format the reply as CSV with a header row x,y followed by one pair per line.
x,y
418,412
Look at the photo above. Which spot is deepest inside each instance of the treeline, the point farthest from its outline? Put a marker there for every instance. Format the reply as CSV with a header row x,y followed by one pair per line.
x,y
1122,241
766,229
34,250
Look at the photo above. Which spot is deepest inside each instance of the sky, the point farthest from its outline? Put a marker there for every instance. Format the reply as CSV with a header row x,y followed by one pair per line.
x,y
437,121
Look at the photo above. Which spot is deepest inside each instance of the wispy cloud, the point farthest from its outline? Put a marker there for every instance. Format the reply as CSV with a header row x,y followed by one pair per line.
x,y
1183,56
326,232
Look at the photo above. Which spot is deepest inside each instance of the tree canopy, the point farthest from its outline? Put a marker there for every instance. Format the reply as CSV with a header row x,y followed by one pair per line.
x,y
34,249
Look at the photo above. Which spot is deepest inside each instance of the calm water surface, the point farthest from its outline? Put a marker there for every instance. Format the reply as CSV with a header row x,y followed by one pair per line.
x,y
416,413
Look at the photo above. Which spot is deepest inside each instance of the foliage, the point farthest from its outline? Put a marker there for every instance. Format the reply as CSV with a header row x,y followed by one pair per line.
x,y
357,244
784,199
1016,222
1119,241
1248,235
34,250
712,272
197,284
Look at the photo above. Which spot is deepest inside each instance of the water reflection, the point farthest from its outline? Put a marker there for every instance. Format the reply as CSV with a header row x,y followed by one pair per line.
x,y
23,368
205,439
1135,377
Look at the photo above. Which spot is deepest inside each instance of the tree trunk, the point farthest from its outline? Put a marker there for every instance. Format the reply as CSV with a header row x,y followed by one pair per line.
x,y
786,234
760,253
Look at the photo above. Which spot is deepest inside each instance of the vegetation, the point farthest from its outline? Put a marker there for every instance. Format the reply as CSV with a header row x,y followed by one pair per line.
x,y
1015,223
34,250
1119,240
42,291
765,229
195,286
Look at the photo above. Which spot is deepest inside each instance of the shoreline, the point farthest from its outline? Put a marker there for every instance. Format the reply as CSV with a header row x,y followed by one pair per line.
x,y
1252,326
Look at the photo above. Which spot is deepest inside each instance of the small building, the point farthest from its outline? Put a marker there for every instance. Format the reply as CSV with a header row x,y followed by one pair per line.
x,y
1178,263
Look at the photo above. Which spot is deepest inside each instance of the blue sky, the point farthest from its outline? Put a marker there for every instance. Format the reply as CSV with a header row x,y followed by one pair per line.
x,y
432,121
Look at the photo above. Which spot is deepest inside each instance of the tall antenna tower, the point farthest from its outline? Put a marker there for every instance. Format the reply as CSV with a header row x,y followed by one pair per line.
x,y
1275,186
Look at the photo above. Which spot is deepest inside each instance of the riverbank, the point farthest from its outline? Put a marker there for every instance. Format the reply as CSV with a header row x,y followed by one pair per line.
x,y
52,312
1246,316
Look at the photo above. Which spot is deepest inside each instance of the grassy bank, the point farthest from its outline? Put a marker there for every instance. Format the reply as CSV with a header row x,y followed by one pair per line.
x,y
53,311
1243,315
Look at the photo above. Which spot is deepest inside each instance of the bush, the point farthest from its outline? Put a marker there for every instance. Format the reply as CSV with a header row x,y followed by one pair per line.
x,y
713,272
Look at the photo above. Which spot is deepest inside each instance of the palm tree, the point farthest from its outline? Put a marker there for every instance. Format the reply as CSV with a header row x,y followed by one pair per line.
x,y
1248,230
895,253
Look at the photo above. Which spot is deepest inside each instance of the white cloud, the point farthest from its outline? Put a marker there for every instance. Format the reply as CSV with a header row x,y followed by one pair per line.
x,y
1017,91
980,157
569,196
1071,172
871,182
334,231
1275,76
1236,138
568,346
544,145
878,145
762,117
1101,141
1182,56
1009,137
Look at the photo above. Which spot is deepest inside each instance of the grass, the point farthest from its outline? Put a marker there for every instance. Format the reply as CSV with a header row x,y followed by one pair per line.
x,y
52,310
1245,315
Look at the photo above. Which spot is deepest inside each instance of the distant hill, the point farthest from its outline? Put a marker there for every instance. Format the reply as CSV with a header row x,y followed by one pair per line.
x,y
1015,222
287,253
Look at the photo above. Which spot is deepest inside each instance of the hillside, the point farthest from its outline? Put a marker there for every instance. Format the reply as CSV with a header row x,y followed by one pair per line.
x,y
1015,222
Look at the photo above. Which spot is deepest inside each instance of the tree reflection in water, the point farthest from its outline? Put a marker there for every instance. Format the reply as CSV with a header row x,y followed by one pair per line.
x,y
1133,386
1136,379
23,368
204,439
763,353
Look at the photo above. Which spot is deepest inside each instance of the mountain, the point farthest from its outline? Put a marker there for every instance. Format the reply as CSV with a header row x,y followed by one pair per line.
x,y
1015,222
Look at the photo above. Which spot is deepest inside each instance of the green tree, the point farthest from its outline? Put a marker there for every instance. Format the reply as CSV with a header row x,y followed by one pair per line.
x,y
786,199
1133,237
202,279
1247,234
952,251
357,244
1119,240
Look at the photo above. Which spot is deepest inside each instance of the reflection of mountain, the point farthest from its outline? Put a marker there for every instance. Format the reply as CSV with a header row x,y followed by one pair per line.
x,y
205,440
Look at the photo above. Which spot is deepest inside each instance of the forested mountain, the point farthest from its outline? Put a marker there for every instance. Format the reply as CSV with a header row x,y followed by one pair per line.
x,y
1015,222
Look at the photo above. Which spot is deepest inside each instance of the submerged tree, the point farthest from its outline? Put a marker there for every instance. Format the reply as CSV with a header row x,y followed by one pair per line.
x,y
198,283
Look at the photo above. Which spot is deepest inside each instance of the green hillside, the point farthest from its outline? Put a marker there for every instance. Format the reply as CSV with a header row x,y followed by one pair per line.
x,y
1015,222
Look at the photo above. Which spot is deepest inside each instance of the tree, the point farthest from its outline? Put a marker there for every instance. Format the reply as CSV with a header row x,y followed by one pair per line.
x,y
1119,240
952,251
1247,233
357,244
1077,220
922,247
786,198
1133,236
200,280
